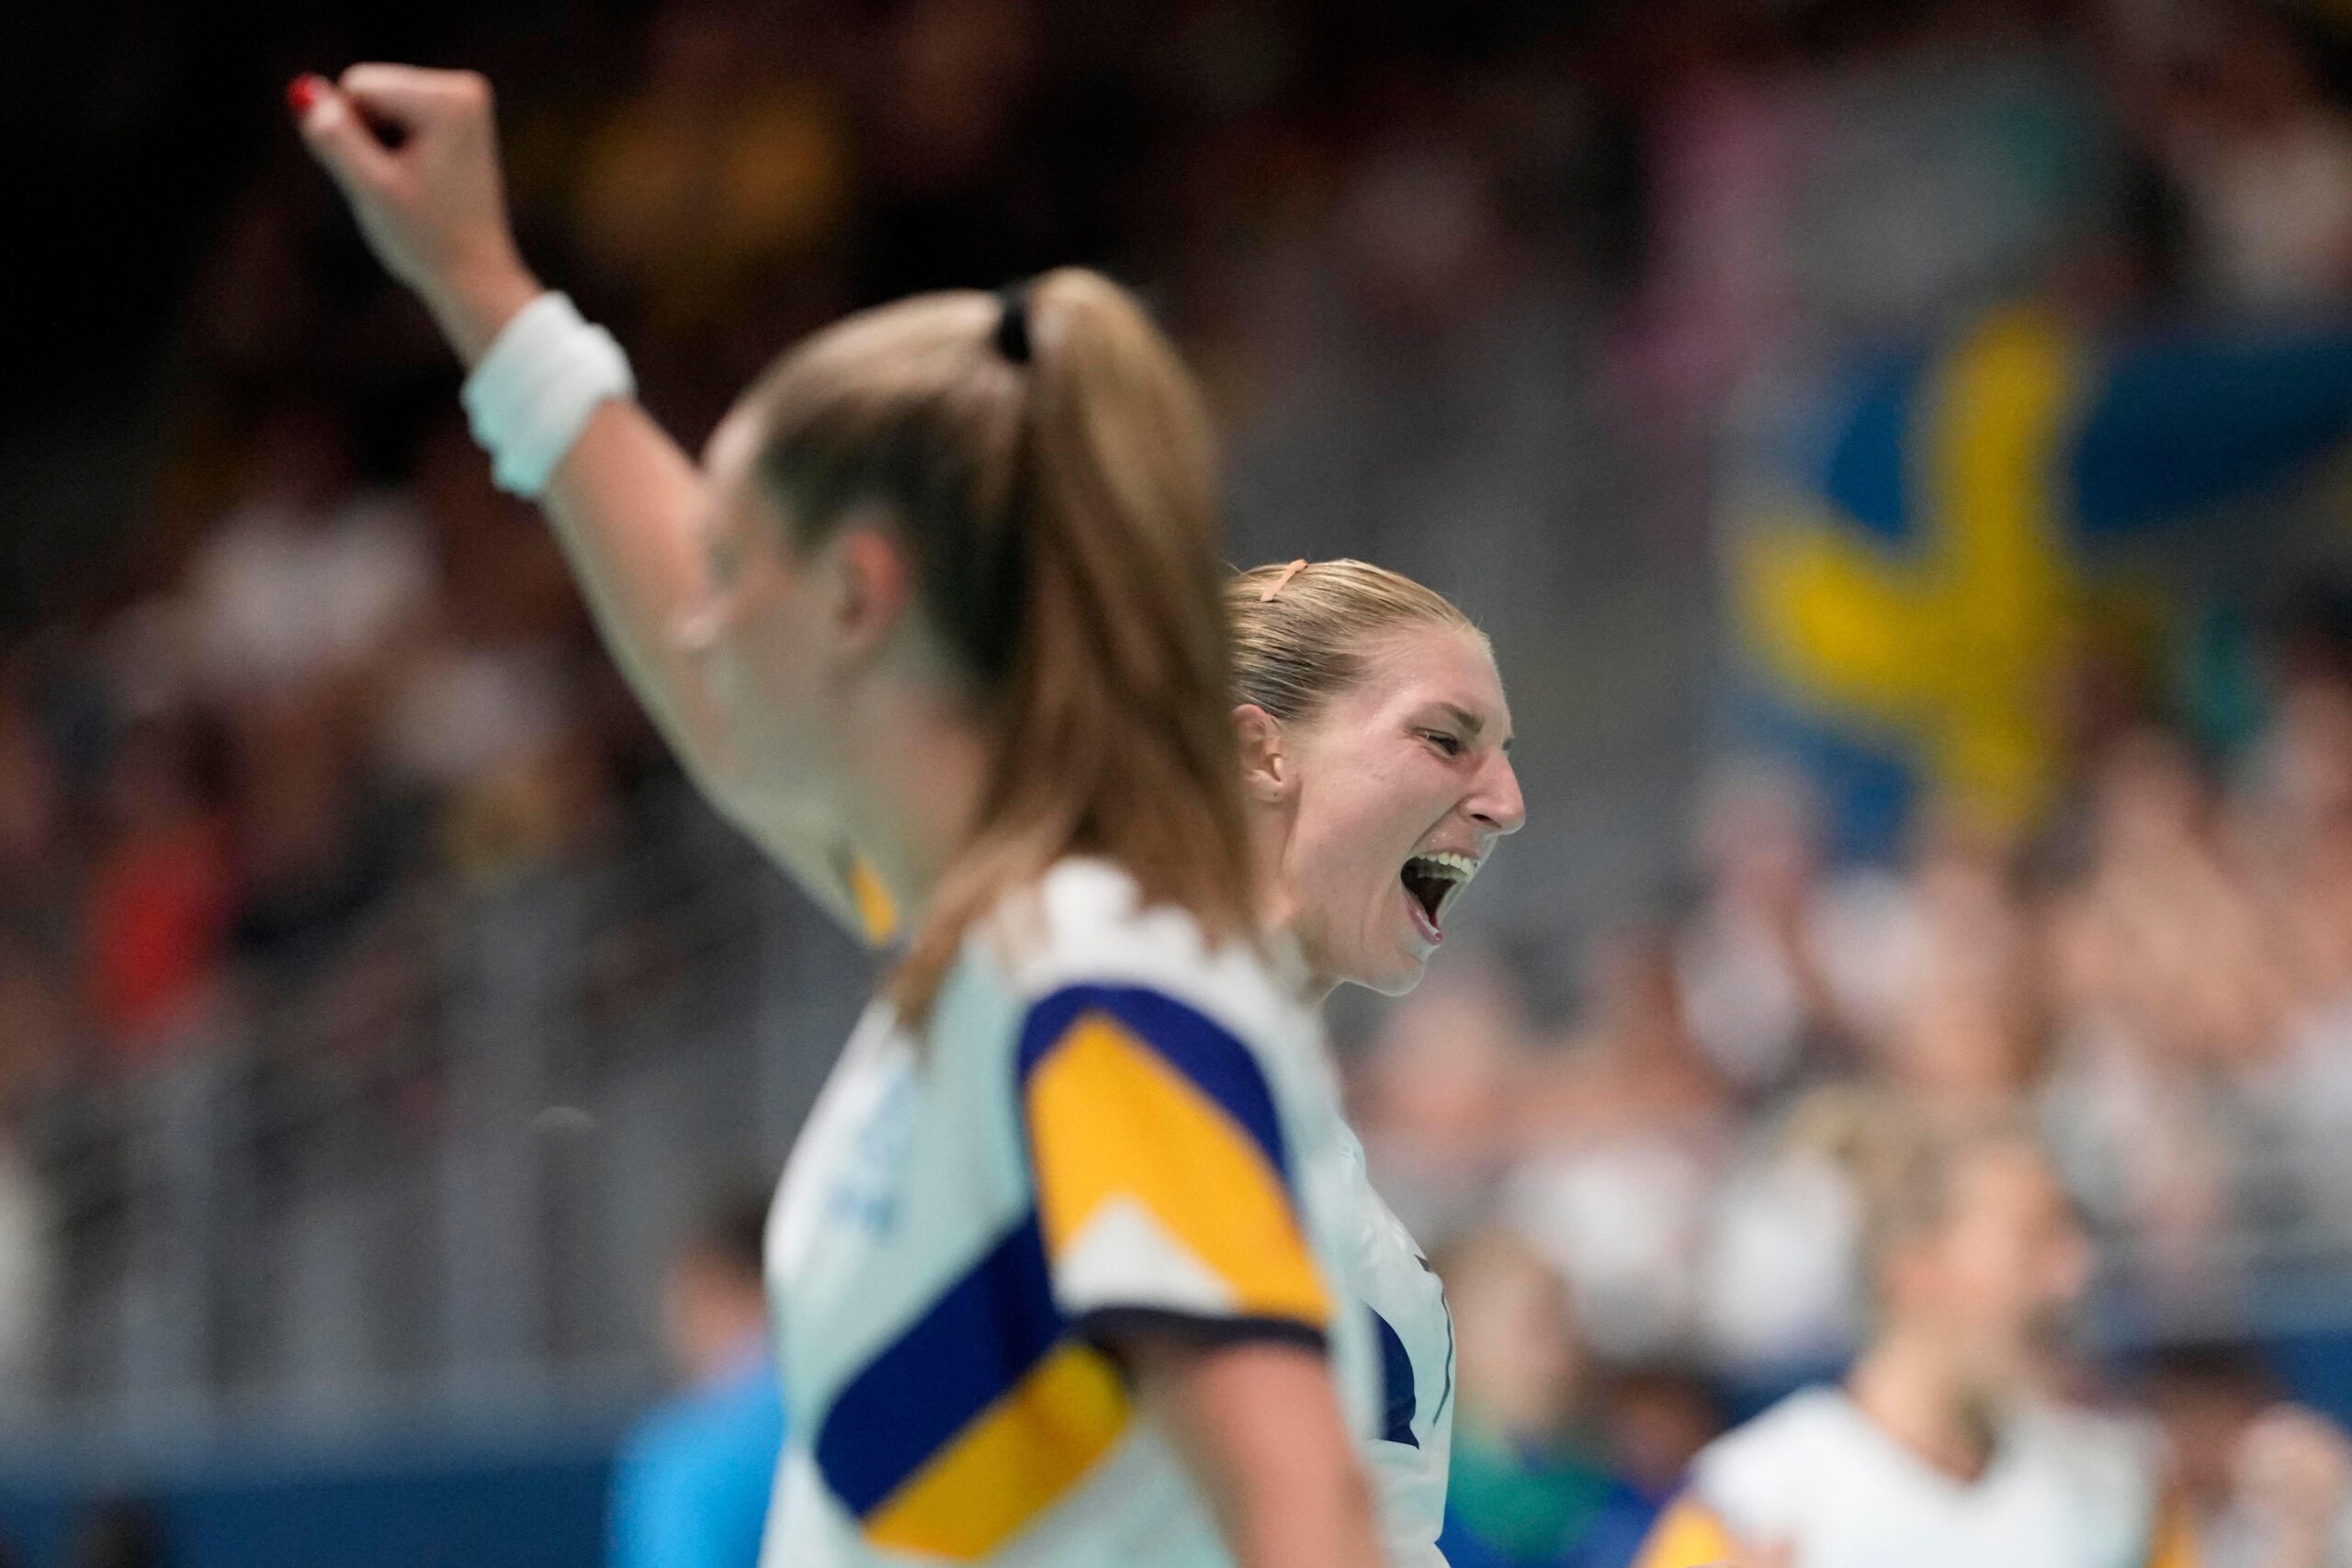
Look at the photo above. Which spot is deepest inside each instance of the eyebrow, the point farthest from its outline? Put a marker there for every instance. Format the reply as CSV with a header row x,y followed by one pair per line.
x,y
1472,722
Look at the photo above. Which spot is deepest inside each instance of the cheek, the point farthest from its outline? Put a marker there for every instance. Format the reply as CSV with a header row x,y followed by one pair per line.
x,y
1367,815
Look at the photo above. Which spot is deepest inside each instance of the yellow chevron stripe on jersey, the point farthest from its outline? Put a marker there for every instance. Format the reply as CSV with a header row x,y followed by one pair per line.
x,y
1687,1535
877,915
1113,1118
1006,1468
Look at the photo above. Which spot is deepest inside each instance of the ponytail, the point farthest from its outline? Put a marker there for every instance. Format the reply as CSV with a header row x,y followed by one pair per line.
x,y
1061,507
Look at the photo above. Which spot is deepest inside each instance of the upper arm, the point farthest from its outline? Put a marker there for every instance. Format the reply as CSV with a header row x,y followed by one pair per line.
x,y
1258,1425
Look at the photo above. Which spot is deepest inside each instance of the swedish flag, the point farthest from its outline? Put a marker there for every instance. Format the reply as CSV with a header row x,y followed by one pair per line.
x,y
1915,550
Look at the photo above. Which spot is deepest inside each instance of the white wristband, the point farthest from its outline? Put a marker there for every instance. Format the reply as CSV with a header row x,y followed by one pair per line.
x,y
531,395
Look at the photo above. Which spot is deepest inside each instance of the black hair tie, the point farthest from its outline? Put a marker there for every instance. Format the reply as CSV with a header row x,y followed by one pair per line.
x,y
1012,322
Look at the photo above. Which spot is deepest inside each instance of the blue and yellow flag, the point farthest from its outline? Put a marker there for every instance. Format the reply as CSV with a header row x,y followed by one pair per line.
x,y
1915,550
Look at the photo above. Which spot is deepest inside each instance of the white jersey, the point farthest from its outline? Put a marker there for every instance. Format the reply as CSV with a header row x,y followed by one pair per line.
x,y
1385,1272
2065,1488
1105,1121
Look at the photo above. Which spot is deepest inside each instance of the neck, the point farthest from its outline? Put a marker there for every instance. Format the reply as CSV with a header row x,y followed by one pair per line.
x,y
1277,906
919,767
1908,1385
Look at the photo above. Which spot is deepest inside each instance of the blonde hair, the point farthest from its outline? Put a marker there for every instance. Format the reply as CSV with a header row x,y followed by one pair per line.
x,y
1048,463
1904,1158
1299,628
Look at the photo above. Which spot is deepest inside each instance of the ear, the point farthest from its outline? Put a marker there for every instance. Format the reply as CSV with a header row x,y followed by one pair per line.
x,y
870,588
1267,776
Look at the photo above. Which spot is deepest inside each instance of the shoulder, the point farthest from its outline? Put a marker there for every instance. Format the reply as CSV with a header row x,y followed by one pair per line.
x,y
1759,1466
1083,937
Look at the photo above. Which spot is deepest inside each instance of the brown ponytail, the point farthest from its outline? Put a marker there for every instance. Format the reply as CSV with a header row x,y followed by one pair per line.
x,y
1061,511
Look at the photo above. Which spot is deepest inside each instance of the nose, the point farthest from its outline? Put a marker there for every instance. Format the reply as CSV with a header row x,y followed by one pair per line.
x,y
1496,804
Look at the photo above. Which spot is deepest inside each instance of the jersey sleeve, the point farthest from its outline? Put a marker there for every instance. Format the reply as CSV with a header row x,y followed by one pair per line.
x,y
1165,1190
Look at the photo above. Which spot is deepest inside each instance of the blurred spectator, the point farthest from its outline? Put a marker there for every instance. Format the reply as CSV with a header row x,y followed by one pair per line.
x,y
1781,963
1530,1481
2265,162
304,580
160,897
1776,1286
1659,1418
2172,991
1439,1095
1623,1141
2264,1483
692,1485
1940,1445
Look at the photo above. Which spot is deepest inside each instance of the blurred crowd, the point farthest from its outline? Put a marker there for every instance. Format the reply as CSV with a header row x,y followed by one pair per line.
x,y
2162,978
1478,291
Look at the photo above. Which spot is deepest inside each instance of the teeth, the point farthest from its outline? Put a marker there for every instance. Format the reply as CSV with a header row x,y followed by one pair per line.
x,y
1461,867
1454,870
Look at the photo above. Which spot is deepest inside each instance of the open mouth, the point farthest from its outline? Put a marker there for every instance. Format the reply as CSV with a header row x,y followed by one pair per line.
x,y
1430,883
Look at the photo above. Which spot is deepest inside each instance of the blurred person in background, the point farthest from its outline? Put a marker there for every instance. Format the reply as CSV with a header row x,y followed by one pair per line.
x,y
2172,988
161,898
1530,1481
1946,1443
1939,1447
1657,1418
691,1486
1439,1093
1778,966
2263,160
1624,1128
2264,1483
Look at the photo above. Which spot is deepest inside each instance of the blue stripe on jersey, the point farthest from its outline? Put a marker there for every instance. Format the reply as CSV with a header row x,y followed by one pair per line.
x,y
1398,1401
975,1343
1207,1056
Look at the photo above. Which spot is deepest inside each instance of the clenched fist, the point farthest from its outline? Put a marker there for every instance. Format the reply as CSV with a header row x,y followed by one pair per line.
x,y
415,153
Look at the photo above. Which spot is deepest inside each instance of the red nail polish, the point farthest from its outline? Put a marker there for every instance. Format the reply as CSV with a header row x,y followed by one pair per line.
x,y
302,92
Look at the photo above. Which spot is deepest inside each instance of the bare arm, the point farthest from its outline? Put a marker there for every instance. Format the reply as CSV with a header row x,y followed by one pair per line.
x,y
1258,1424
627,501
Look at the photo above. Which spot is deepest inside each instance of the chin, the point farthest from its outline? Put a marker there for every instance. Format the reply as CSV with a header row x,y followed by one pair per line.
x,y
1396,978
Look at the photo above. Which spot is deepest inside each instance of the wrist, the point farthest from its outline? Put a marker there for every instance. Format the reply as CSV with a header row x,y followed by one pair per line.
x,y
532,391
475,304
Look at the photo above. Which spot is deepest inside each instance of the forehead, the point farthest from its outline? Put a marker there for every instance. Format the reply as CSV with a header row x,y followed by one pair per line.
x,y
2006,1179
1428,665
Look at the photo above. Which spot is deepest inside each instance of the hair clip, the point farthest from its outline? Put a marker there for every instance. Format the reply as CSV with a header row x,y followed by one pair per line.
x,y
1293,570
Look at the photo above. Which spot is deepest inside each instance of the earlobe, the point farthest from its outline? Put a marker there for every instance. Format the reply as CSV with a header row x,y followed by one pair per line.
x,y
1265,768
